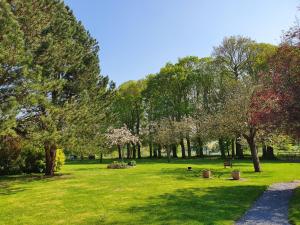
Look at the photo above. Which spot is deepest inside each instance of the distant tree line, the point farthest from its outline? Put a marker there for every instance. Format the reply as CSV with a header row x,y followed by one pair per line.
x,y
245,91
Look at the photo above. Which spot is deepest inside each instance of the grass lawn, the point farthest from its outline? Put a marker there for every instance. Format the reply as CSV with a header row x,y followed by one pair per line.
x,y
294,212
154,192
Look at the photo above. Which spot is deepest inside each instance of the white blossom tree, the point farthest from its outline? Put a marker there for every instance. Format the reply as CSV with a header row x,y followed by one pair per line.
x,y
119,137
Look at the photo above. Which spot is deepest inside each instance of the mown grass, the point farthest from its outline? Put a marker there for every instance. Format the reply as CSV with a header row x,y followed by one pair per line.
x,y
154,192
294,211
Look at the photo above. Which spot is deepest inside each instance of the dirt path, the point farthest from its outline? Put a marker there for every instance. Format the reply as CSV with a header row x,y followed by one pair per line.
x,y
271,207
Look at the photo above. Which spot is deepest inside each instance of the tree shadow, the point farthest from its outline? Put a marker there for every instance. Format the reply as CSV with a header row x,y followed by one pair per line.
x,y
213,205
196,173
8,183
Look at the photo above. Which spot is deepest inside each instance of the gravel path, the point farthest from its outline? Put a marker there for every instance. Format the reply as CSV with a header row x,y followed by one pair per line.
x,y
271,207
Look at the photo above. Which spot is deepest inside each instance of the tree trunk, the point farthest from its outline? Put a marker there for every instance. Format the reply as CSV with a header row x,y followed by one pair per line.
x,y
155,150
139,151
188,141
200,150
119,151
239,149
268,153
101,157
227,148
254,154
169,153
150,150
50,154
128,151
182,148
174,151
159,151
222,148
134,151
232,148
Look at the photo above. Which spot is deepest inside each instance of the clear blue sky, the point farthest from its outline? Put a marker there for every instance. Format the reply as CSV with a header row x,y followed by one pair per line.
x,y
138,37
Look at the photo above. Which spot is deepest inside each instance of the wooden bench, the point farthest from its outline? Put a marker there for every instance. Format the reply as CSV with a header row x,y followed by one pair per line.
x,y
228,163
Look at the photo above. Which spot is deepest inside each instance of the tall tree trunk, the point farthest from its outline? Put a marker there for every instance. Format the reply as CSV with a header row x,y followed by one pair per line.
x,y
101,157
200,150
155,150
138,132
174,151
134,151
227,148
254,154
232,148
150,150
139,151
159,151
239,149
189,149
169,153
50,154
182,148
128,150
222,148
119,151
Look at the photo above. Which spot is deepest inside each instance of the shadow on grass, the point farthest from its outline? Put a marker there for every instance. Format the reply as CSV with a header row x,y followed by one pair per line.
x,y
196,173
214,205
7,183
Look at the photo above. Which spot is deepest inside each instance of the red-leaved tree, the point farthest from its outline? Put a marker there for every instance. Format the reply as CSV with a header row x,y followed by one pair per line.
x,y
278,103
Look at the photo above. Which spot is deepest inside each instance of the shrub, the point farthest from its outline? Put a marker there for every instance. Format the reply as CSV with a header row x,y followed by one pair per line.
x,y
59,159
132,163
33,160
10,148
117,165
91,157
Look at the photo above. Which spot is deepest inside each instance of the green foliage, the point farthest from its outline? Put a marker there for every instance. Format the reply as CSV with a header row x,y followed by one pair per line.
x,y
12,69
59,159
10,148
57,85
33,159
117,165
132,163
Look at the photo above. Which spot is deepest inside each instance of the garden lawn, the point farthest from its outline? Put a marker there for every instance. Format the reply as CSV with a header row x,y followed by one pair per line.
x,y
154,192
294,212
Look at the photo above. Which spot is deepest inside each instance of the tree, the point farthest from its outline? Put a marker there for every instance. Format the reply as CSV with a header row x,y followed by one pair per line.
x,y
128,107
278,103
236,117
119,137
167,135
12,69
64,64
242,58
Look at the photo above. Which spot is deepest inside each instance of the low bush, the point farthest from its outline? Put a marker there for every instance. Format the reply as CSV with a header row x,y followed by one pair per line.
x,y
132,163
117,165
59,159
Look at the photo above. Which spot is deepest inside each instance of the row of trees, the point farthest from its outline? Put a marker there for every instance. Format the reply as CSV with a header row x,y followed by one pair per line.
x,y
51,92
243,91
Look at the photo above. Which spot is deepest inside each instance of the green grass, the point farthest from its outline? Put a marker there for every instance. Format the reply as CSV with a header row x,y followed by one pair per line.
x,y
294,212
154,192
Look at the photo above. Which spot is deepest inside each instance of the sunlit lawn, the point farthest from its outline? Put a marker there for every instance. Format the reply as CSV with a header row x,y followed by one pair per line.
x,y
294,213
154,192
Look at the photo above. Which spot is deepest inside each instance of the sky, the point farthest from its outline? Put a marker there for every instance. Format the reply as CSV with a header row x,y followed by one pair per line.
x,y
138,37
